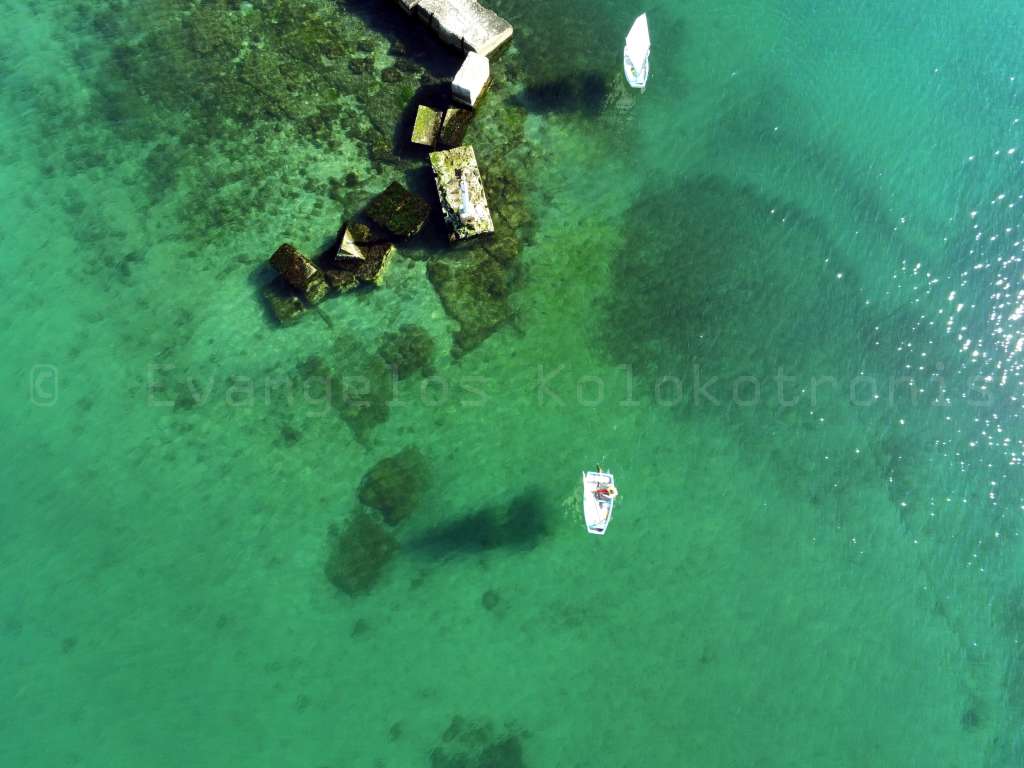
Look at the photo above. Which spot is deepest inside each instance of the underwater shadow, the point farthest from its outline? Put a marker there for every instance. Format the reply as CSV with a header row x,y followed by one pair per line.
x,y
580,93
407,31
519,525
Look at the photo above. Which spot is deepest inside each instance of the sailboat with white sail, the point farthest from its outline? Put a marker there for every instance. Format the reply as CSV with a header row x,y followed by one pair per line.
x,y
637,53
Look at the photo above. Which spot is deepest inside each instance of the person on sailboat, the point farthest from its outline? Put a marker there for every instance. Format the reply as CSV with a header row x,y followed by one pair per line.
x,y
606,492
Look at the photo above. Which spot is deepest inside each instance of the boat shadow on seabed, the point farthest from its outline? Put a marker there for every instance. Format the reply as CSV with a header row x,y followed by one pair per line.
x,y
588,93
519,525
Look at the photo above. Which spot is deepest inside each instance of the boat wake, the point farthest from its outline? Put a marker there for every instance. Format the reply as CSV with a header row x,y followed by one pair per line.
x,y
572,507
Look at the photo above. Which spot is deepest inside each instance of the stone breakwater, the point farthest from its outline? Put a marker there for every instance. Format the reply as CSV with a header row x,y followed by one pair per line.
x,y
464,24
291,141
363,248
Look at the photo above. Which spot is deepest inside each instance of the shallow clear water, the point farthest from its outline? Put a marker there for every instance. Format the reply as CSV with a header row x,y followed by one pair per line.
x,y
780,297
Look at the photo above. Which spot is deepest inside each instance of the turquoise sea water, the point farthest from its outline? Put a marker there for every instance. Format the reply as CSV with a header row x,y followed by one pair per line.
x,y
780,296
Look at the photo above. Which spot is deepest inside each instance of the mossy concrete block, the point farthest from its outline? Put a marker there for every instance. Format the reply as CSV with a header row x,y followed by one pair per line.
x,y
398,211
426,127
363,257
340,280
300,272
461,191
378,259
350,249
284,303
454,126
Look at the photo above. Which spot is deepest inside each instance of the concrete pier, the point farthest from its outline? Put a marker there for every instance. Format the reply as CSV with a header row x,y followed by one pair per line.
x,y
463,23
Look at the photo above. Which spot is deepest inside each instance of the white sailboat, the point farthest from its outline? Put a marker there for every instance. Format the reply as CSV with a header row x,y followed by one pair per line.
x,y
637,53
598,500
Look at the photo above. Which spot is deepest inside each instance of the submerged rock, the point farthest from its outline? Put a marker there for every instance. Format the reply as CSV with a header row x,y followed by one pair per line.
x,y
359,554
350,249
427,126
461,191
360,66
255,110
398,211
472,744
395,485
453,127
378,259
340,280
362,257
474,292
409,351
300,273
284,303
363,388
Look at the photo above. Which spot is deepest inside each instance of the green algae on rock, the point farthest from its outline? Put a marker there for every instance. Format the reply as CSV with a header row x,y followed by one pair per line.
x,y
283,302
476,286
300,273
461,191
361,258
231,90
398,211
221,61
364,253
340,280
378,259
395,484
359,553
454,126
408,351
474,291
427,126
350,247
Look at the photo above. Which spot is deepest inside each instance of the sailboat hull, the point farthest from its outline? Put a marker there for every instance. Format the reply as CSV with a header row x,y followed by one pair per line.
x,y
635,76
597,513
636,55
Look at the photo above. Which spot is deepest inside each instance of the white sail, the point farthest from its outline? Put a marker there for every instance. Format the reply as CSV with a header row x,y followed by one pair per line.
x,y
636,54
